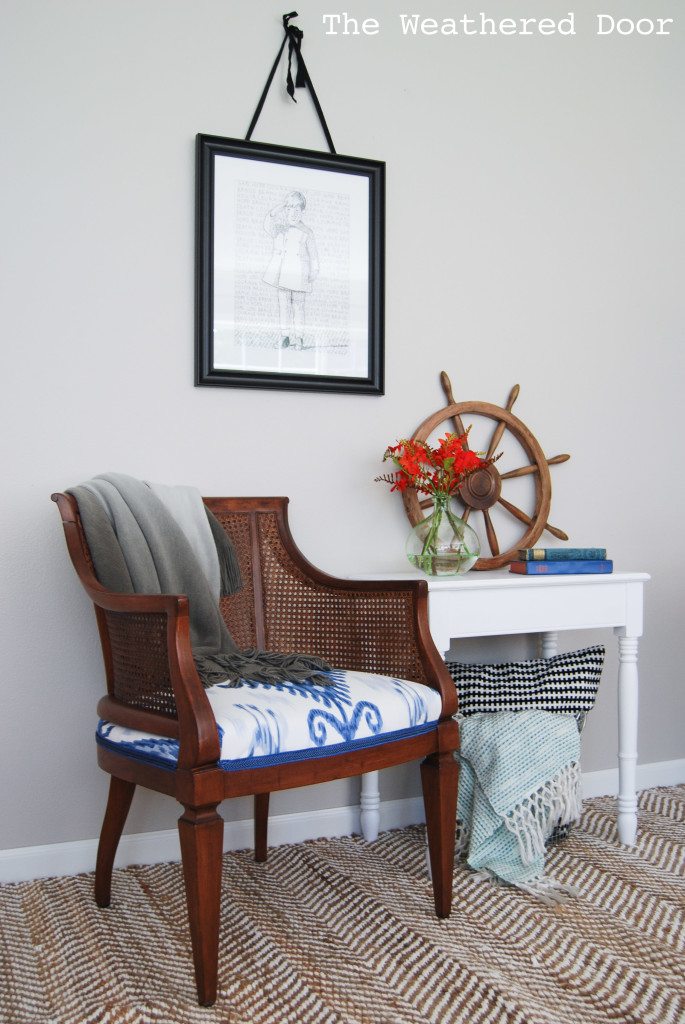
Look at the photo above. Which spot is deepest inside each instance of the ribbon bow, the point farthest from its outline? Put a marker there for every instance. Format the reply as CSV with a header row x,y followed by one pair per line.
x,y
294,37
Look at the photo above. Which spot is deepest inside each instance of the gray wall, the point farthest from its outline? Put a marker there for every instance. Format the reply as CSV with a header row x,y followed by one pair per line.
x,y
535,235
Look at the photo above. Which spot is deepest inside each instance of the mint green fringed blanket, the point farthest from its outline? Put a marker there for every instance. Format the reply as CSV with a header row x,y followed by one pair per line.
x,y
520,778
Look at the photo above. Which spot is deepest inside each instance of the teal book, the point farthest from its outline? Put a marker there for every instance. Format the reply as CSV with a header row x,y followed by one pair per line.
x,y
560,554
572,567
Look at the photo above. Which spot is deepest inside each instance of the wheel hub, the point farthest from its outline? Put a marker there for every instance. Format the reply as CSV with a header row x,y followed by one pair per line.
x,y
482,488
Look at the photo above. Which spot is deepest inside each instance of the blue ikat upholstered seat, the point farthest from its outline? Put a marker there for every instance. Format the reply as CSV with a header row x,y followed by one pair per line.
x,y
260,724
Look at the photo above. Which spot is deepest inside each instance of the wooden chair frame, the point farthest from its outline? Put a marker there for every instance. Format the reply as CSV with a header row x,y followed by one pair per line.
x,y
288,605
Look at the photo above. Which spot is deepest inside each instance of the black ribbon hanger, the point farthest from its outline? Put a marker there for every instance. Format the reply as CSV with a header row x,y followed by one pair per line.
x,y
293,37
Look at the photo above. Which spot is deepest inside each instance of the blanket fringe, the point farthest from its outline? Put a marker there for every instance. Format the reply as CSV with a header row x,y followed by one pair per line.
x,y
533,819
544,889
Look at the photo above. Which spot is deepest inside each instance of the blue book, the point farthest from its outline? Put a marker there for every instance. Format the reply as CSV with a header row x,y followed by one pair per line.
x,y
577,566
560,554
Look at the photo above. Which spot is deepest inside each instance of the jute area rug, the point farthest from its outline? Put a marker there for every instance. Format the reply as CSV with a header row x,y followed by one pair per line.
x,y
340,932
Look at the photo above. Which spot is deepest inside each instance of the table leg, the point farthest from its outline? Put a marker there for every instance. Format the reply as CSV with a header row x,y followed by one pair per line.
x,y
548,644
370,816
627,739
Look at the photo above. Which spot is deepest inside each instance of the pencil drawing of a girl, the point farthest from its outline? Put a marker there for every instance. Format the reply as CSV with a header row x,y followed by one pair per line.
x,y
293,266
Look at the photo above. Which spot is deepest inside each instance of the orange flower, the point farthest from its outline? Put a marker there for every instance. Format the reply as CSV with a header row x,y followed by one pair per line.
x,y
439,470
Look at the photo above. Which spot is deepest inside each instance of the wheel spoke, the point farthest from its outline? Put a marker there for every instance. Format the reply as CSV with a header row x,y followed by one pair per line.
x,y
521,471
456,420
464,510
523,518
496,437
557,459
490,533
526,470
501,426
559,534
516,512
460,430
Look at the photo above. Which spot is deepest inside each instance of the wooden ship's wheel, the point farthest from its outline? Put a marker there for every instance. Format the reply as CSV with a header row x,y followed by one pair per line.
x,y
481,491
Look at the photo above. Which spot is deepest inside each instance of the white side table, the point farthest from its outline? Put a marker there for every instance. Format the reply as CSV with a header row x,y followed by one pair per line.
x,y
502,603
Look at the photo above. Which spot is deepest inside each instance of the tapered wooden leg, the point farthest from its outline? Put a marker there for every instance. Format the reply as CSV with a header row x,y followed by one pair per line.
x,y
201,832
261,825
440,778
116,812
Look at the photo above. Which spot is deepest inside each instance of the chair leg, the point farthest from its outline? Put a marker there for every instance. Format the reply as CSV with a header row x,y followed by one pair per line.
x,y
201,831
440,778
118,804
261,825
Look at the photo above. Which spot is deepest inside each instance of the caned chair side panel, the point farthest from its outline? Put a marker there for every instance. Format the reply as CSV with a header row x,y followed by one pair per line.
x,y
360,629
140,664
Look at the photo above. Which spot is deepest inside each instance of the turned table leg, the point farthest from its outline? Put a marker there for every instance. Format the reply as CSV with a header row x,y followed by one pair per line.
x,y
370,816
548,644
627,739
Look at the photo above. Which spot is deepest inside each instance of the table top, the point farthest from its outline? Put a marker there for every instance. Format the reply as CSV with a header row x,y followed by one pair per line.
x,y
499,602
498,579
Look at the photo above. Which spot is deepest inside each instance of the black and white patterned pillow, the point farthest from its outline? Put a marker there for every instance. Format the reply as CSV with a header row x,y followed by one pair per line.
x,y
566,683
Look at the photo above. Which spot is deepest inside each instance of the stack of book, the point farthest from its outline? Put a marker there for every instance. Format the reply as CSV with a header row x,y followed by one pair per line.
x,y
558,561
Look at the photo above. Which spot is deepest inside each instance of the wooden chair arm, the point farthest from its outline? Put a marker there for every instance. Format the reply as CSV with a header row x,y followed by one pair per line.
x,y
152,682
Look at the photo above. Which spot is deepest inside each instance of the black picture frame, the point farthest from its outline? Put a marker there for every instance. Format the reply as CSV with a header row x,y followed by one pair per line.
x,y
288,240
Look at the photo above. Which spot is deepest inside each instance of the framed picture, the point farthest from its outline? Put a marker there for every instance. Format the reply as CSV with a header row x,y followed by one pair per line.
x,y
290,255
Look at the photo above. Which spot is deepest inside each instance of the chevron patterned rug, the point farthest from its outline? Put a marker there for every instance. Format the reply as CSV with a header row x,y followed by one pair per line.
x,y
339,932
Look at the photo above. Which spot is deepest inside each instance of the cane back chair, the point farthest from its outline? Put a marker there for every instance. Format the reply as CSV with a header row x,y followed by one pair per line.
x,y
286,605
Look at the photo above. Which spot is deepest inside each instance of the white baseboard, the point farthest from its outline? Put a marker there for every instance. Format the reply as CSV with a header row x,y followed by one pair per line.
x,y
29,862
661,773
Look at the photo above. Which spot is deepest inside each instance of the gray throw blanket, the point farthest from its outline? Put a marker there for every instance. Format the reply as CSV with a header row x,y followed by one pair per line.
x,y
139,546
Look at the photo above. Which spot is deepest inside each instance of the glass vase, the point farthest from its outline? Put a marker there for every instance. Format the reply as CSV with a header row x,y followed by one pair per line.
x,y
442,544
